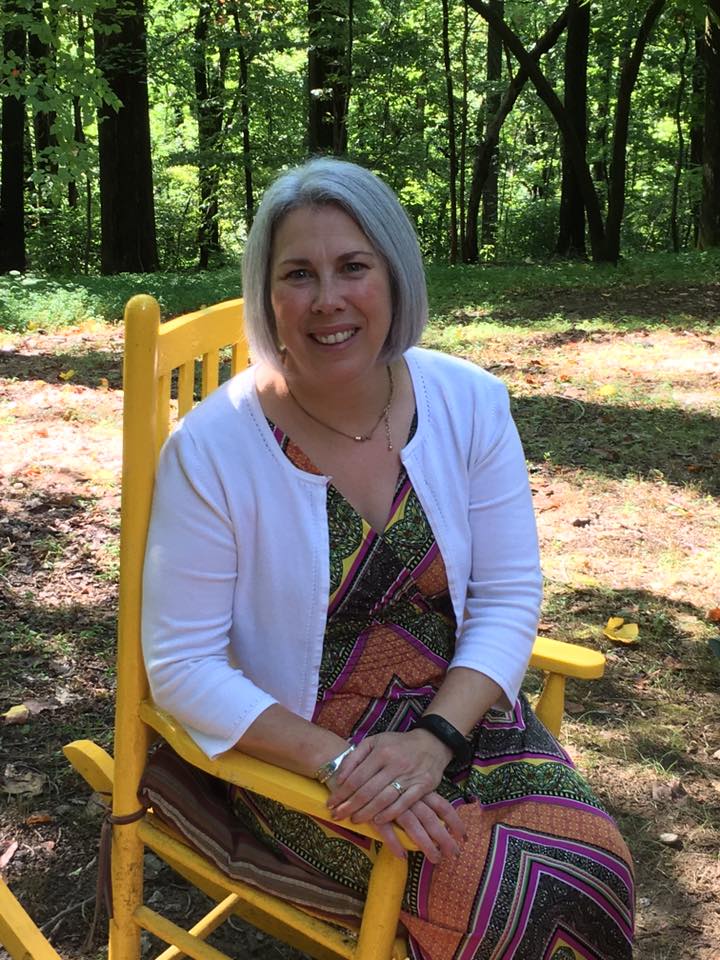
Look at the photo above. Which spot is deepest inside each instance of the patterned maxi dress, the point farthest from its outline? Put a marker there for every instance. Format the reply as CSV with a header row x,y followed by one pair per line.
x,y
543,873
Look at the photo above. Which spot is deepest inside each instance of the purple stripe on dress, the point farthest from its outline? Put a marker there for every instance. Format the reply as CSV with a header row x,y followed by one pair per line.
x,y
400,496
352,660
517,721
349,578
537,869
498,855
512,757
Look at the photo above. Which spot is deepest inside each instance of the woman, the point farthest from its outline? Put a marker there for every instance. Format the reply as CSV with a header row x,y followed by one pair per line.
x,y
342,578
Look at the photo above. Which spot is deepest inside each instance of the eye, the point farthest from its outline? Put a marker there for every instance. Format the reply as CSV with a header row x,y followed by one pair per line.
x,y
355,266
299,273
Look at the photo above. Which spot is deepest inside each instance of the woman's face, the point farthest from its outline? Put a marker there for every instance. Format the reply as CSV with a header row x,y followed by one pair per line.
x,y
330,293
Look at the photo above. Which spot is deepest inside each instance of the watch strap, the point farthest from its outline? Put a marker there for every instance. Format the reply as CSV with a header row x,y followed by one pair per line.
x,y
447,734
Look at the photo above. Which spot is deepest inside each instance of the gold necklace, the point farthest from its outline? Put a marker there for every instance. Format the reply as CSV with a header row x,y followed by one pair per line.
x,y
357,437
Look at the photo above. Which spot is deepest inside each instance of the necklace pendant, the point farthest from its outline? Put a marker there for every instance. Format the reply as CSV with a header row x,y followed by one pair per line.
x,y
360,439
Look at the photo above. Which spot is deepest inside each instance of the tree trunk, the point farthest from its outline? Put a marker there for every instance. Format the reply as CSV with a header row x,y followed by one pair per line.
x,y
247,152
680,157
571,233
618,164
78,131
40,63
484,151
452,146
697,127
127,208
330,37
493,75
463,122
12,196
709,233
209,108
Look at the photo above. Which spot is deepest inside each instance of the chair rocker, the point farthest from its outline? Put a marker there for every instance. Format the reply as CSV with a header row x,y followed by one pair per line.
x,y
154,351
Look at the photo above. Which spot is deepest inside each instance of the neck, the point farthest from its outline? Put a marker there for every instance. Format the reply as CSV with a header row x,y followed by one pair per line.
x,y
341,400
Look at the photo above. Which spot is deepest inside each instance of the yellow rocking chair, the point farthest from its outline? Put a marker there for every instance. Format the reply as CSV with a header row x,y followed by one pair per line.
x,y
153,352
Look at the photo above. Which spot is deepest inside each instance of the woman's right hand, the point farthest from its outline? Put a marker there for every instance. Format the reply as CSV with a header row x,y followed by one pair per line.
x,y
432,824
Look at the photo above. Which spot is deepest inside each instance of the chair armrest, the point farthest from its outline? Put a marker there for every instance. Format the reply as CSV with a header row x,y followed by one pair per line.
x,y
567,659
291,789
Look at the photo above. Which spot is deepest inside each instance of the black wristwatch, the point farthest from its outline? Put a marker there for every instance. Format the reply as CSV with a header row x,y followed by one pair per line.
x,y
448,734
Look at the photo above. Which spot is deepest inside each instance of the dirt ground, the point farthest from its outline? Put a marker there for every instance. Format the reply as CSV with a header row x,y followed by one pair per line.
x,y
621,432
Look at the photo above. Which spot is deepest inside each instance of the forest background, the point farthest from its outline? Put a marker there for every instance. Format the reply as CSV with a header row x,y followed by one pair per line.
x,y
561,162
137,136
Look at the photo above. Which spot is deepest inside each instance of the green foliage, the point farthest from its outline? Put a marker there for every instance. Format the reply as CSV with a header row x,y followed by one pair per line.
x,y
34,302
397,125
37,302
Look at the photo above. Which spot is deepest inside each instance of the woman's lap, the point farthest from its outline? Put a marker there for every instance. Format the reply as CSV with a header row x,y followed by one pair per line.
x,y
543,873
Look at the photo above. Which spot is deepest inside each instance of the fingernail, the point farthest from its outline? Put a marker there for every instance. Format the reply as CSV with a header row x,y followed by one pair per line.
x,y
457,852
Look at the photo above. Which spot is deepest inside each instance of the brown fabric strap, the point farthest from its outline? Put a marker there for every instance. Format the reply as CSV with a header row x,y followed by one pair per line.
x,y
103,887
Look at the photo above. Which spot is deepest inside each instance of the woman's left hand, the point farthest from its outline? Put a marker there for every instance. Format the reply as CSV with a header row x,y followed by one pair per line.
x,y
386,774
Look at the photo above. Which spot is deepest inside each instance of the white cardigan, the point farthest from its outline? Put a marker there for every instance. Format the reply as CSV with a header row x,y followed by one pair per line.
x,y
236,580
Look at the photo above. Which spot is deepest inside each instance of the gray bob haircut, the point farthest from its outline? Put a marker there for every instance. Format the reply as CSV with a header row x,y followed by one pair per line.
x,y
375,209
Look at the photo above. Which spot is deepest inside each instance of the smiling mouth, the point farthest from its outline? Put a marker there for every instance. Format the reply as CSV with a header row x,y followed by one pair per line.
x,y
330,338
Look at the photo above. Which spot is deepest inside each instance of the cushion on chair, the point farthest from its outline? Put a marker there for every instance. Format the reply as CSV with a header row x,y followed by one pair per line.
x,y
197,805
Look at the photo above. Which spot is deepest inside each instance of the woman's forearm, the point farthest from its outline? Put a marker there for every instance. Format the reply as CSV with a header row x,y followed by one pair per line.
x,y
285,739
464,697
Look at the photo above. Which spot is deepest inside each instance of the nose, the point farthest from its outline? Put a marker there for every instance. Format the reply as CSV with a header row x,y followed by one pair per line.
x,y
328,296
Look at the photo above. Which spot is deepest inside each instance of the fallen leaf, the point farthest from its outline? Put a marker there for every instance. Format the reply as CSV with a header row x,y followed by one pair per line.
x,y
26,782
671,840
668,791
36,819
617,629
66,375
573,707
39,706
714,615
8,854
16,714
582,522
22,712
607,390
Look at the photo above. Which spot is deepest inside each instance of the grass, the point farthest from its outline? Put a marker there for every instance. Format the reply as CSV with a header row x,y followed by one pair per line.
x,y
615,382
519,292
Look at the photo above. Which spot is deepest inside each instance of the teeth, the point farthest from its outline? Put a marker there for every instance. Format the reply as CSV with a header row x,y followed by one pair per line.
x,y
334,337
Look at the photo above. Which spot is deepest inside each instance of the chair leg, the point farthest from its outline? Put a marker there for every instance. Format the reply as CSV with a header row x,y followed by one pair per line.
x,y
551,703
387,885
18,934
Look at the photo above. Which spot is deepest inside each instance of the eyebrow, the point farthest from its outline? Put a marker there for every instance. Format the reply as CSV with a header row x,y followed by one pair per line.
x,y
344,257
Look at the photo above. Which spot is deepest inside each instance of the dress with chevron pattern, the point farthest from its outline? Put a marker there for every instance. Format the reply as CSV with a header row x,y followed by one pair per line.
x,y
544,873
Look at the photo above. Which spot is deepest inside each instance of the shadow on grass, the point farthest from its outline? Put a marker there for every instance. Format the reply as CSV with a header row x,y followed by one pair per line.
x,y
90,367
622,441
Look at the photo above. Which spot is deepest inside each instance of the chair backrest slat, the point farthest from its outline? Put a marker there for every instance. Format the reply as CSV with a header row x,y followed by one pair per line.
x,y
210,372
185,387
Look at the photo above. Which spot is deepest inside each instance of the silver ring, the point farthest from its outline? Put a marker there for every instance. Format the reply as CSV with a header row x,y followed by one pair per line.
x,y
398,786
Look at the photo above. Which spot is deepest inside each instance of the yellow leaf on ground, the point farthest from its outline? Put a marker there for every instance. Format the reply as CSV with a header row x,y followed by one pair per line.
x,y
104,383
17,714
617,629
608,390
66,375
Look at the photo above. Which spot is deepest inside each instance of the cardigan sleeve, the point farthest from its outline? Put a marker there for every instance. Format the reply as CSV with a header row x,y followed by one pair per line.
x,y
188,589
504,590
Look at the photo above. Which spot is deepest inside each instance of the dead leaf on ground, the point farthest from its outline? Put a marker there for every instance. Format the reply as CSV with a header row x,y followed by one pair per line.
x,y
22,712
39,818
26,782
617,629
8,854
573,707
714,615
673,790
